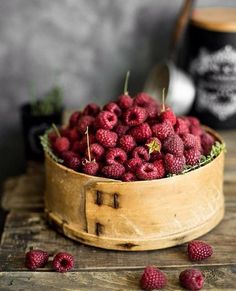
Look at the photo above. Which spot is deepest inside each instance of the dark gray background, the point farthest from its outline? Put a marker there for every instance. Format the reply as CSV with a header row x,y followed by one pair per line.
x,y
85,46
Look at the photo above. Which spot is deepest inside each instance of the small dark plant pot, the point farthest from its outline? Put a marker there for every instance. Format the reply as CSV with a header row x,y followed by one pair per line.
x,y
33,126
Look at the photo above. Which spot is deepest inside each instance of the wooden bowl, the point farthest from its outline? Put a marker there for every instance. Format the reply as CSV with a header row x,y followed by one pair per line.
x,y
135,216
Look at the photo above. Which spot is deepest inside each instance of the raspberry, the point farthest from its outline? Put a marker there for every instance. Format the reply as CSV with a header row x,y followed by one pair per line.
x,y
174,164
135,116
52,136
207,142
84,122
96,151
195,130
128,177
141,153
90,168
113,107
81,146
125,101
163,130
121,129
156,156
143,100
106,120
63,262
106,138
152,112
181,126
141,132
191,141
191,279
61,144
115,155
72,135
147,171
193,121
36,259
133,163
159,164
173,145
168,115
199,250
74,118
153,145
152,278
127,143
91,109
71,160
114,171
192,156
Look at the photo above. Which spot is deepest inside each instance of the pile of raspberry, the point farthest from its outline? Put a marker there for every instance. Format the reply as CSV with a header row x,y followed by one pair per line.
x,y
131,139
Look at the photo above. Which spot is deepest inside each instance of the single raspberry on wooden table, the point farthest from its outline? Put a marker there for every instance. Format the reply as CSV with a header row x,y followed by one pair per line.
x,y
199,250
63,262
153,278
191,279
36,259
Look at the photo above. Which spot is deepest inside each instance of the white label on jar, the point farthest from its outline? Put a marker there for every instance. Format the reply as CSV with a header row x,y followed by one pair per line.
x,y
215,79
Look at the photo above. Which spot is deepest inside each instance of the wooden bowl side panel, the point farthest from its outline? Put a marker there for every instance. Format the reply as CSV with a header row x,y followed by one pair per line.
x,y
159,208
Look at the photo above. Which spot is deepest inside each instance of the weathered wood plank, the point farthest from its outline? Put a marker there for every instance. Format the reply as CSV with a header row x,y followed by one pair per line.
x,y
217,278
25,229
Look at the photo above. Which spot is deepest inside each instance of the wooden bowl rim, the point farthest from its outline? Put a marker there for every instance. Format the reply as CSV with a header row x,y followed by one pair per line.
x,y
107,180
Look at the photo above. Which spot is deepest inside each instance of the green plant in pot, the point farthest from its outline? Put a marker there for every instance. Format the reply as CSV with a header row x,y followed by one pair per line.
x,y
37,116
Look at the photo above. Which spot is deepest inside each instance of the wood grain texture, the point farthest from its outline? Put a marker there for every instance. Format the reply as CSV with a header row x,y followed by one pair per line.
x,y
25,229
216,278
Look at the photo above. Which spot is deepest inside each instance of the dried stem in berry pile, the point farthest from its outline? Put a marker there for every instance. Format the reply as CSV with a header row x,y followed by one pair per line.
x,y
163,100
126,83
56,130
88,145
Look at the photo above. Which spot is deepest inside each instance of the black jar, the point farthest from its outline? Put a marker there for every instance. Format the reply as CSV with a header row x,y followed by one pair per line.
x,y
33,126
210,58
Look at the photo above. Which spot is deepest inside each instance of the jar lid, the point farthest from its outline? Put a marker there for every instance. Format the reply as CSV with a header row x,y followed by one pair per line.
x,y
217,19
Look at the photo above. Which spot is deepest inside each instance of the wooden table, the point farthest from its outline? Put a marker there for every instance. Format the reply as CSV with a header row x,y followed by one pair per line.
x,y
97,269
